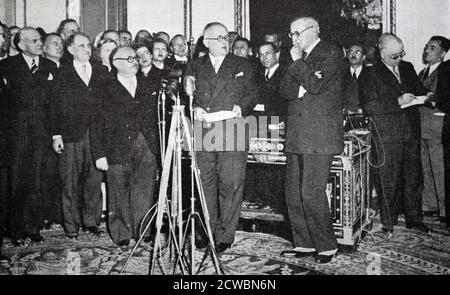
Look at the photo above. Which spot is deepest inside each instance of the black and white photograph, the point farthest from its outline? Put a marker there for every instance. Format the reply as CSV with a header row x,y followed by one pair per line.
x,y
224,139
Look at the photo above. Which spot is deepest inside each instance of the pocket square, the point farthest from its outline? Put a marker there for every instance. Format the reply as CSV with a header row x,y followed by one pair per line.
x,y
240,74
50,77
154,93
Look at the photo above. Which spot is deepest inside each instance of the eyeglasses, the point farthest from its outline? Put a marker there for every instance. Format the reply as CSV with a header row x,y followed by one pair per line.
x,y
353,51
297,34
220,38
398,55
129,59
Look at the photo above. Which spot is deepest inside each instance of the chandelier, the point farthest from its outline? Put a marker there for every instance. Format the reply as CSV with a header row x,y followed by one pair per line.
x,y
366,13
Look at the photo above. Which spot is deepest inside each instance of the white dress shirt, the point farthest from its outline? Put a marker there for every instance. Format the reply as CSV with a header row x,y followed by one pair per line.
x,y
269,72
80,71
29,60
129,83
357,71
179,58
218,60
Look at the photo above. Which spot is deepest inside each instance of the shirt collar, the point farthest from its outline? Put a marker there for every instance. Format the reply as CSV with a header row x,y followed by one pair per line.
x,y
179,58
272,70
433,67
79,65
312,46
29,60
357,71
126,82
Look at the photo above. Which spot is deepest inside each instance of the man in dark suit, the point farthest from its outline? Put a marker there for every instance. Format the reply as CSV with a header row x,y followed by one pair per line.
x,y
432,152
224,82
4,155
264,183
75,105
67,28
391,84
125,144
353,75
314,134
26,76
443,103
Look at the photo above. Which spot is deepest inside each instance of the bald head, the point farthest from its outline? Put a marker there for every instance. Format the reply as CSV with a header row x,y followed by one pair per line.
x,y
391,49
216,39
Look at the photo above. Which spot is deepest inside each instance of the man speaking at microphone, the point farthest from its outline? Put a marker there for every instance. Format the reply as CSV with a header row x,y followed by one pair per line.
x,y
223,82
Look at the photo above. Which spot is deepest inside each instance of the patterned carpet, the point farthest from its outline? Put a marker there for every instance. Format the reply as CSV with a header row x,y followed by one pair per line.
x,y
253,253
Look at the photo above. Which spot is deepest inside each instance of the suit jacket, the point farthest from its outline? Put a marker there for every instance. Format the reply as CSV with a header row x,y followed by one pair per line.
x,y
120,120
443,98
431,124
26,102
274,104
352,89
4,123
234,84
380,100
73,103
314,122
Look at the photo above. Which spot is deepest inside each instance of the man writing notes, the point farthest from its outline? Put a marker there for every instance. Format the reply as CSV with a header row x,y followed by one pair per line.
x,y
314,134
224,82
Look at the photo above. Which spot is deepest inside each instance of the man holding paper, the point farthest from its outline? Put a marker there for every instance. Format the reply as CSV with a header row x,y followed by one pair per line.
x,y
223,82
391,84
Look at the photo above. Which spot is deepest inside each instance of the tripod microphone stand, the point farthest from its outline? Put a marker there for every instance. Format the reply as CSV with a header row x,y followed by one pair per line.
x,y
179,129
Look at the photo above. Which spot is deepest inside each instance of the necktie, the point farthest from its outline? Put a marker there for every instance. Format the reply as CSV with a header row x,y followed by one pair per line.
x,y
267,76
84,75
354,75
34,67
216,65
397,75
426,73
304,55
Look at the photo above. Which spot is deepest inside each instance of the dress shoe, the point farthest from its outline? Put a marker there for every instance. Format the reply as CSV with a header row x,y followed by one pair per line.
x,y
387,230
418,226
322,259
37,238
296,254
95,230
18,242
221,247
73,235
123,243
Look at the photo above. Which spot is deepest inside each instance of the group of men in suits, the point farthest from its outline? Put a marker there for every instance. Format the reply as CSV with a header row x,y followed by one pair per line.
x,y
104,122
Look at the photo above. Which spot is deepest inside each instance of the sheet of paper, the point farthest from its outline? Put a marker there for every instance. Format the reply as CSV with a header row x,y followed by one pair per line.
x,y
439,114
259,108
219,116
419,100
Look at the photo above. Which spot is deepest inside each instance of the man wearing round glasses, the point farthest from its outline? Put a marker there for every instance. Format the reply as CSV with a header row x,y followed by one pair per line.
x,y
391,84
223,82
125,144
314,134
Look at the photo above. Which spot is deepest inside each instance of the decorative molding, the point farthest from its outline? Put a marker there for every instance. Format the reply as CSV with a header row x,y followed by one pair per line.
x,y
389,16
238,17
188,19
393,16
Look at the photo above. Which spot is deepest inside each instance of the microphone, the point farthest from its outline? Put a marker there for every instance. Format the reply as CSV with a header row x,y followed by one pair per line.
x,y
189,85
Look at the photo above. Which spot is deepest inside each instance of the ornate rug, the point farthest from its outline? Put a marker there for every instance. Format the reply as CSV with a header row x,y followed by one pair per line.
x,y
407,252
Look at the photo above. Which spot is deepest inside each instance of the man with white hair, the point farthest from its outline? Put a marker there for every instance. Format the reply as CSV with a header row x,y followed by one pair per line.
x,y
24,76
391,84
314,134
224,82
